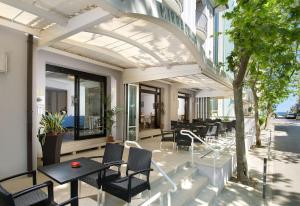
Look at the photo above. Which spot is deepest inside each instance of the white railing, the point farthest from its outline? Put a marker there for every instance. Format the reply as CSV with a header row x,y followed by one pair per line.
x,y
161,171
191,135
201,22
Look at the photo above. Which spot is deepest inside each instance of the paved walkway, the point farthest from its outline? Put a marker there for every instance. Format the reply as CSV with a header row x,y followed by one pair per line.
x,y
283,170
285,173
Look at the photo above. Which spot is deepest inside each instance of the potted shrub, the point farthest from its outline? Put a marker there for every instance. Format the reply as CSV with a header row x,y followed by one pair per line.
x,y
50,136
110,119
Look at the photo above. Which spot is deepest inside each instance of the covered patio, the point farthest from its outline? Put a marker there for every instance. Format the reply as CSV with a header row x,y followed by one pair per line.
x,y
186,169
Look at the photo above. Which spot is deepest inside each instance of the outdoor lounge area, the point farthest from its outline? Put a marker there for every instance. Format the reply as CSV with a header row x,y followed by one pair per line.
x,y
196,172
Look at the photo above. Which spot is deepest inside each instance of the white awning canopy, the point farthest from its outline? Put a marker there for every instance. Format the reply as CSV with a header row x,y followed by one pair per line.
x,y
98,31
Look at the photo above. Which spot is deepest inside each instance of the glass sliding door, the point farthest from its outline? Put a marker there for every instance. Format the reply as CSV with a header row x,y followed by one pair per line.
x,y
91,111
60,94
81,95
132,112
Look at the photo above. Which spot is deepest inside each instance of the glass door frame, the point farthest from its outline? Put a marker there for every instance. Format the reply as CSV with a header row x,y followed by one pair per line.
x,y
157,99
127,116
186,98
87,76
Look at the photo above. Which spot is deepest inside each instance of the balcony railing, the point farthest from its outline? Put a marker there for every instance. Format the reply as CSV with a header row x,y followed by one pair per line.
x,y
175,5
201,25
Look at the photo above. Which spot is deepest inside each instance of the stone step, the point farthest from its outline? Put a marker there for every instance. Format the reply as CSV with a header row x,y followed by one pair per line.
x,y
206,197
179,175
188,190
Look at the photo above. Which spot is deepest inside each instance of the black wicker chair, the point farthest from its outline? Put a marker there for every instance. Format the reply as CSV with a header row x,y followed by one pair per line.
x,y
167,136
139,163
33,196
182,140
212,132
173,124
112,157
221,128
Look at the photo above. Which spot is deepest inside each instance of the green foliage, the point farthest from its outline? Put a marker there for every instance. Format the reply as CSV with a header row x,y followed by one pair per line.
x,y
50,124
265,34
110,115
261,28
262,120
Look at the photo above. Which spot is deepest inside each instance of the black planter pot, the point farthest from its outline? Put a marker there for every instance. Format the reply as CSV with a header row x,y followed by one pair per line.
x,y
51,149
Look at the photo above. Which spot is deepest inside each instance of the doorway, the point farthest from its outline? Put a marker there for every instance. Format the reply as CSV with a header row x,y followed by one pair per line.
x,y
183,107
149,107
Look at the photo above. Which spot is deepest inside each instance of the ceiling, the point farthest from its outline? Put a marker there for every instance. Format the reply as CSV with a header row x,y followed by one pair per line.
x,y
124,42
129,43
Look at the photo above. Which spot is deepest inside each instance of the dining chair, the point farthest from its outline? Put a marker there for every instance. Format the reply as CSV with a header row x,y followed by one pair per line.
x,y
113,154
167,136
139,163
32,196
212,133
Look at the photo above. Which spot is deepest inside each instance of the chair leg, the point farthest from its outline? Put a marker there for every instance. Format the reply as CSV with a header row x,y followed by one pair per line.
x,y
79,188
99,199
160,145
103,198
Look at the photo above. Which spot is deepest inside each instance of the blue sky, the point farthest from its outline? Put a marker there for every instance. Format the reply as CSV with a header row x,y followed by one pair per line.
x,y
287,104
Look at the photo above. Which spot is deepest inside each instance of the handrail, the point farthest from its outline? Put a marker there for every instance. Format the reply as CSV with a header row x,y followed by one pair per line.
x,y
160,170
189,133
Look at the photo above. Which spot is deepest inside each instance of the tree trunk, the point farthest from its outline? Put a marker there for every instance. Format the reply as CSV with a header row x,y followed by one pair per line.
x,y
268,116
256,116
242,165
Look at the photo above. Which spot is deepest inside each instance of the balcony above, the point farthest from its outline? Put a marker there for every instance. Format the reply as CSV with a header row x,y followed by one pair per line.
x,y
175,5
201,25
217,7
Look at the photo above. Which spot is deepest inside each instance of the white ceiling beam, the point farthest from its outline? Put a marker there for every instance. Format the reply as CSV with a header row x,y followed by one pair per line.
x,y
30,8
75,25
164,82
114,55
129,41
156,73
81,58
18,27
214,93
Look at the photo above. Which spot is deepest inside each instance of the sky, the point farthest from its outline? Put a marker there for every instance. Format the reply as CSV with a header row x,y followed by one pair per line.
x,y
287,104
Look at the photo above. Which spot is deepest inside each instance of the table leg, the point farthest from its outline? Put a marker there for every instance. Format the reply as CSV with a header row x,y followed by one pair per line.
x,y
74,192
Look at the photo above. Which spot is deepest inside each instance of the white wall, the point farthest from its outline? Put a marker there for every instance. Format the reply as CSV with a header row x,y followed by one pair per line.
x,y
189,13
208,44
13,104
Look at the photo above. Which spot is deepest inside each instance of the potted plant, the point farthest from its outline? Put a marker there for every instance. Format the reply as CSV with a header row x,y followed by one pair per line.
x,y
110,119
50,136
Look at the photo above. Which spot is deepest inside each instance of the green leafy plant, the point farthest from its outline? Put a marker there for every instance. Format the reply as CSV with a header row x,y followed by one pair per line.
x,y
50,124
110,115
226,119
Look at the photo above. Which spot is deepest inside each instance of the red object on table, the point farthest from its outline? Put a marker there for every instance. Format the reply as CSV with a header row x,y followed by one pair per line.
x,y
75,164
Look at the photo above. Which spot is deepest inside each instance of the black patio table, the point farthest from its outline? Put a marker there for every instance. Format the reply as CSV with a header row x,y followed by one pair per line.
x,y
63,173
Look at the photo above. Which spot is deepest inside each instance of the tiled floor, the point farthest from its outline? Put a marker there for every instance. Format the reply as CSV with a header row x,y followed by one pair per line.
x,y
167,158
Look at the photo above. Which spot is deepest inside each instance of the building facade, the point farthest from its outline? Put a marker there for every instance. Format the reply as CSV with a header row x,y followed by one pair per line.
x,y
157,60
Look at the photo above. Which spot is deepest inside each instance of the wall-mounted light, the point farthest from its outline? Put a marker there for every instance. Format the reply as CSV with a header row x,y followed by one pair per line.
x,y
3,61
